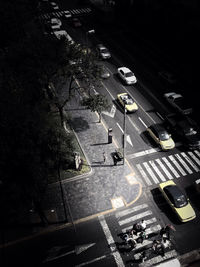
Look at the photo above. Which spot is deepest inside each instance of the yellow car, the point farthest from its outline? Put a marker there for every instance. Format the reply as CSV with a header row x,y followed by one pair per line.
x,y
127,101
178,201
161,136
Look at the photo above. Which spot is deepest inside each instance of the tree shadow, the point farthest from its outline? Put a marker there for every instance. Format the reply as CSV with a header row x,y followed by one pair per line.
x,y
79,124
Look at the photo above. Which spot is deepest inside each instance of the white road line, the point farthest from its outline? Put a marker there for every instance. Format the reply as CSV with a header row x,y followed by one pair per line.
x,y
152,163
171,167
142,153
150,172
89,262
120,127
177,165
131,210
111,242
164,169
183,163
150,221
135,217
142,122
143,174
197,153
136,128
190,162
194,157
155,260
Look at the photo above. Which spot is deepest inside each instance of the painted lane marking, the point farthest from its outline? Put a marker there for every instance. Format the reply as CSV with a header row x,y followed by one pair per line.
x,y
130,210
142,153
183,163
148,168
135,217
152,163
177,165
150,221
197,152
164,169
111,242
190,162
171,167
194,157
143,122
120,127
143,174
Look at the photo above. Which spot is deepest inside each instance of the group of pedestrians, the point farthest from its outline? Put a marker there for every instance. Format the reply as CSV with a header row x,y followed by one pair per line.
x,y
138,234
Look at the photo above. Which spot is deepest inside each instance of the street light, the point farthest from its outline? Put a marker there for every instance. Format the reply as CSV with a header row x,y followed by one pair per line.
x,y
87,44
124,140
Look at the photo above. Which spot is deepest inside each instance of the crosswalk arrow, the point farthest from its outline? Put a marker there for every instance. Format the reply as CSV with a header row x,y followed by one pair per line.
x,y
79,249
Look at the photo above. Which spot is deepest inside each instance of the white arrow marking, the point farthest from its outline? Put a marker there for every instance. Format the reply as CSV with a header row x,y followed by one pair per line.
x,y
111,113
54,252
128,139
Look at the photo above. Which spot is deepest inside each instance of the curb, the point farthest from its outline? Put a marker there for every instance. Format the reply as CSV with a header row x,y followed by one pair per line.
x,y
189,258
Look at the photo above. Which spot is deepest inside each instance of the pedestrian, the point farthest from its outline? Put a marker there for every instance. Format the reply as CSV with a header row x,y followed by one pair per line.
x,y
143,224
165,232
104,157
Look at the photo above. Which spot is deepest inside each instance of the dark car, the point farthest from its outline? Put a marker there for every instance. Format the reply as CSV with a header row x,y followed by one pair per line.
x,y
185,128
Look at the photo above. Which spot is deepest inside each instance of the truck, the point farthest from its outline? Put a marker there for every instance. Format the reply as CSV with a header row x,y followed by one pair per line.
x,y
178,102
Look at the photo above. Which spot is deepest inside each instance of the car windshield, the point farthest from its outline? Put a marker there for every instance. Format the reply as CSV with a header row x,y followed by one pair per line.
x,y
180,201
163,136
176,196
129,74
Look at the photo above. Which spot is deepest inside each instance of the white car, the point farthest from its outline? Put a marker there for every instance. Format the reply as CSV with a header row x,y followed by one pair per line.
x,y
54,5
61,33
127,75
67,14
55,23
103,51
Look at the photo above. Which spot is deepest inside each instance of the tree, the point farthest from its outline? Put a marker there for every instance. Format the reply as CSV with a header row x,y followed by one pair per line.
x,y
96,103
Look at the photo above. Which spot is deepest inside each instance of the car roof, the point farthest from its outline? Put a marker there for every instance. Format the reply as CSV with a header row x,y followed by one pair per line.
x,y
125,69
174,190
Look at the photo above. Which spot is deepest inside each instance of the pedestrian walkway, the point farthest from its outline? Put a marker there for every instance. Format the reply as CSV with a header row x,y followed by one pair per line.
x,y
127,217
72,12
169,167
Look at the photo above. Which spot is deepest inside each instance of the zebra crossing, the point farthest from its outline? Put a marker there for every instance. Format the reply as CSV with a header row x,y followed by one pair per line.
x,y
67,13
126,218
169,167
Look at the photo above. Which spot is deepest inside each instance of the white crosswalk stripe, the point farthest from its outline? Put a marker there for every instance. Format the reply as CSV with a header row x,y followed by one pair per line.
x,y
170,167
149,170
127,217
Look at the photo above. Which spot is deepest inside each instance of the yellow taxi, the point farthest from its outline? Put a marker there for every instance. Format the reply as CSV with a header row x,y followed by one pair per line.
x,y
178,201
127,101
161,136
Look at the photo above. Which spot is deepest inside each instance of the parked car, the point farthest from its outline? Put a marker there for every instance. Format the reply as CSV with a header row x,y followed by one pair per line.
x,y
167,76
177,200
55,23
185,128
128,102
54,5
126,75
103,51
160,135
178,102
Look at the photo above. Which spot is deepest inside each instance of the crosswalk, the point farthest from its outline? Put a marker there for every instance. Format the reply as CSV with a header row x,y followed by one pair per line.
x,y
169,167
126,218
71,12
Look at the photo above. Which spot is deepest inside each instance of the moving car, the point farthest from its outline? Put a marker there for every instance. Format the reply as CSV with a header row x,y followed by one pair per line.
x,y
161,136
61,33
55,23
54,5
103,51
127,101
185,128
177,200
178,102
126,75
104,72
